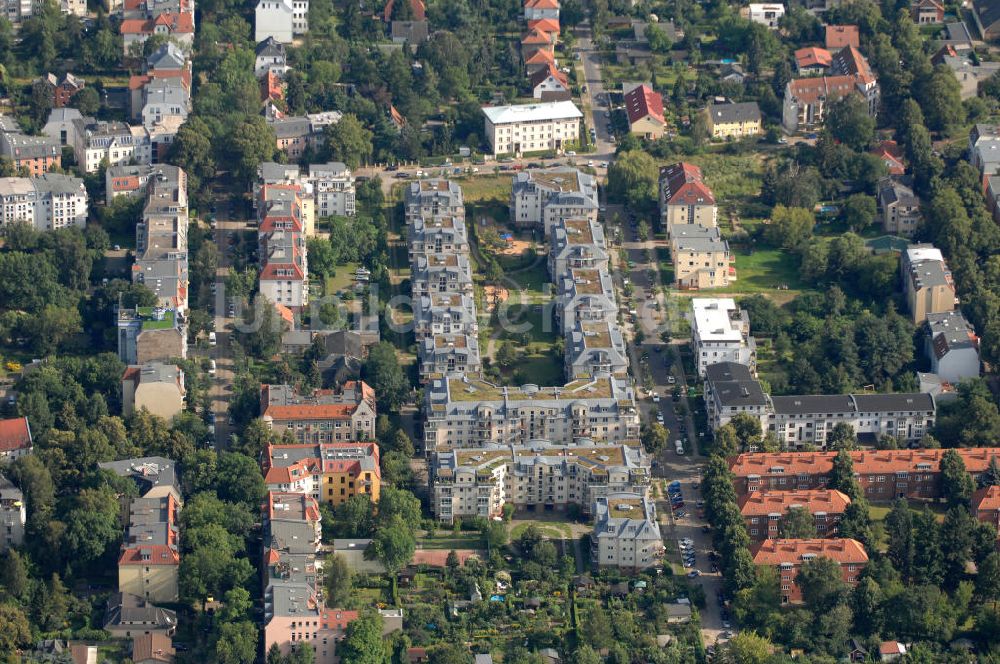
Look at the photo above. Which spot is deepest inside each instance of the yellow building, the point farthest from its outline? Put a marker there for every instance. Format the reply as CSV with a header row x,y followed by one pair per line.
x,y
329,472
734,120
149,562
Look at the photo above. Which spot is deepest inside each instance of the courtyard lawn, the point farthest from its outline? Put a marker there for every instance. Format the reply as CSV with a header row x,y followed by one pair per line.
x,y
447,540
343,280
552,529
760,269
731,176
483,188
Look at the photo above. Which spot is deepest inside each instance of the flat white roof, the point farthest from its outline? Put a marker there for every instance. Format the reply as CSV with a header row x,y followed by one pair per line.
x,y
915,254
711,319
555,110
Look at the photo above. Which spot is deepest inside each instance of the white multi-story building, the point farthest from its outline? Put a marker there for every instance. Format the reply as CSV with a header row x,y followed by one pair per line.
x,y
333,187
281,19
437,235
165,101
543,198
444,313
585,295
806,420
114,142
538,475
720,332
467,412
441,273
532,127
427,199
577,243
626,533
47,202
595,348
951,343
766,14
446,354
284,268
161,251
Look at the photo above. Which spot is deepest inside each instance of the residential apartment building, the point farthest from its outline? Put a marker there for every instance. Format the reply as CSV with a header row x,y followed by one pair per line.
x,y
529,128
46,202
763,511
161,252
115,143
585,296
731,389
59,126
807,99
927,12
155,386
807,420
766,14
734,120
428,199
165,100
281,20
535,10
986,505
595,349
329,472
685,199
626,533
720,332
984,148
13,515
296,134
577,244
701,258
333,186
464,412
178,27
15,438
927,282
543,198
788,556
36,154
284,267
444,313
155,476
951,344
324,416
644,109
536,476
149,561
550,84
446,354
437,235
884,475
441,273
899,206
127,180
150,334
270,58
168,61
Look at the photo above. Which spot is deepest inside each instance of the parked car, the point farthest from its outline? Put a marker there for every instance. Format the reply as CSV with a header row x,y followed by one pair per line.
x,y
694,574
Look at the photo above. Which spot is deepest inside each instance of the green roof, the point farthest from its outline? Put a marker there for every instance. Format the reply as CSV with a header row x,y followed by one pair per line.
x,y
149,322
887,243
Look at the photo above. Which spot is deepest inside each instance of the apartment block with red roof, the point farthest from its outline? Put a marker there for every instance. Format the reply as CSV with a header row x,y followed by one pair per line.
x,y
539,9
284,270
330,472
807,99
883,474
986,505
535,40
150,559
685,198
15,438
323,416
550,84
812,61
178,26
763,511
840,36
644,107
788,556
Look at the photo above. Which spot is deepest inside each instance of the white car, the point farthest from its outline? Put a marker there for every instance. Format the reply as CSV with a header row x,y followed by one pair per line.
x,y
670,379
211,368
656,398
604,164
570,153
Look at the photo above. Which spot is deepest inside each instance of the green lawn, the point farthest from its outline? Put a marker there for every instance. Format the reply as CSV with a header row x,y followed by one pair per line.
x,y
761,269
486,188
343,280
730,176
553,529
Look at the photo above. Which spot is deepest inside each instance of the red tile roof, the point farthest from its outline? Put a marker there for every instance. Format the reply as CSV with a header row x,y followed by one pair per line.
x,y
337,619
545,24
832,88
418,8
977,460
175,24
794,551
541,56
850,61
152,647
15,434
813,57
685,186
891,155
535,36
542,75
762,503
987,499
302,506
150,554
839,36
643,101
542,4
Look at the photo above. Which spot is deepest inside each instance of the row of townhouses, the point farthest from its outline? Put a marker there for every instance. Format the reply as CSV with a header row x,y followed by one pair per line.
x,y
807,420
444,311
172,20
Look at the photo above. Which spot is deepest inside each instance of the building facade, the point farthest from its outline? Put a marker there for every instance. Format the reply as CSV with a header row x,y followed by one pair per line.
x,y
788,556
763,511
149,562
13,515
720,332
899,206
529,128
734,120
155,386
927,282
951,344
538,476
544,198
324,416
626,533
329,472
47,202
685,198
701,257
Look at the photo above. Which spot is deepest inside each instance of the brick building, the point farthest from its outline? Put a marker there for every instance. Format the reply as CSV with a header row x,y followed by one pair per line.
x,y
788,555
763,510
884,474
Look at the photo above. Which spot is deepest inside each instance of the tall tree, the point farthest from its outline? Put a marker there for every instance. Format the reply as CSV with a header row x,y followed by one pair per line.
x,y
956,483
900,534
363,642
338,581
798,523
822,585
252,142
348,140
382,371
850,123
393,545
